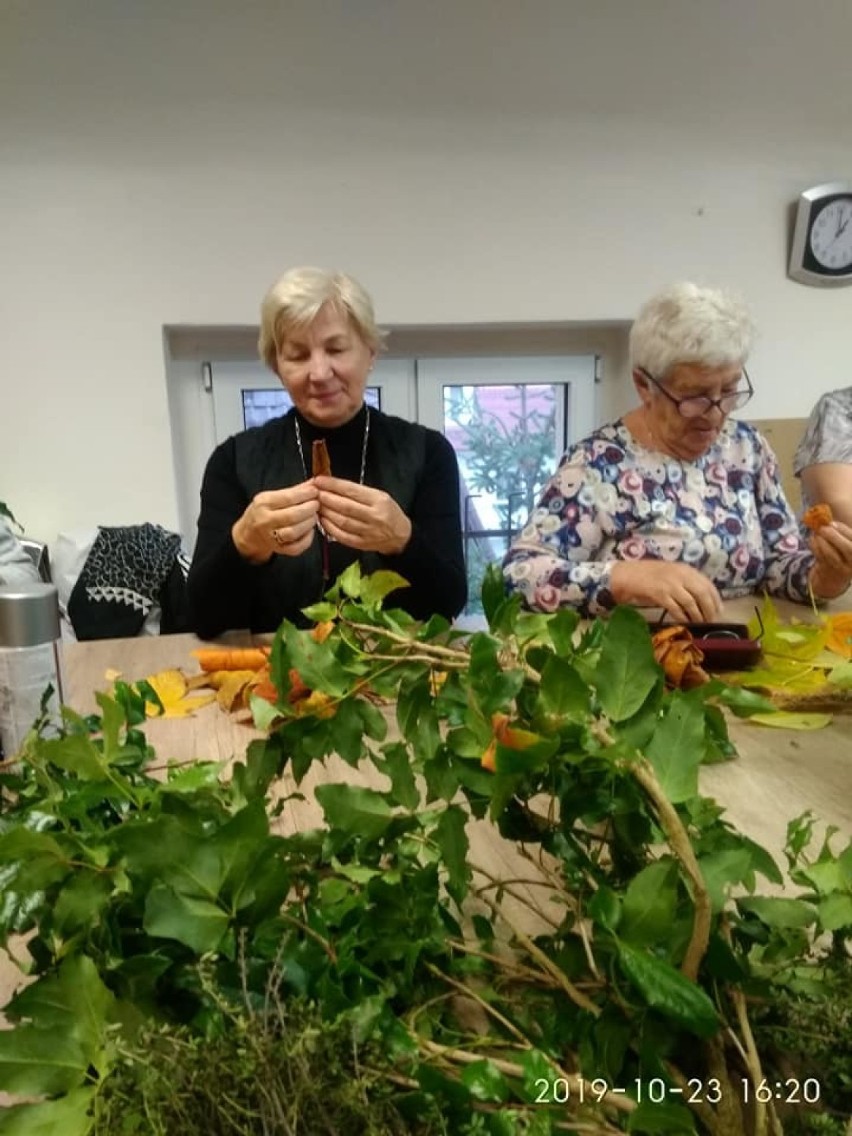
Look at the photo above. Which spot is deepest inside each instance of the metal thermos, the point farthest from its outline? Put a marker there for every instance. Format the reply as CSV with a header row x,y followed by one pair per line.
x,y
30,659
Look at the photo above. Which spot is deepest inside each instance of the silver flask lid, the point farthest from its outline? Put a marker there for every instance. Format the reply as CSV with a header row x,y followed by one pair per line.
x,y
29,614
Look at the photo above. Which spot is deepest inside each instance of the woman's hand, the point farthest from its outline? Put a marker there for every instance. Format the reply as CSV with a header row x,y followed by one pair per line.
x,y
685,593
360,517
277,521
832,547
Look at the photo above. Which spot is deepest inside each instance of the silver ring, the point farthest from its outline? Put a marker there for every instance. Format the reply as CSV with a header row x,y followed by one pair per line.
x,y
279,538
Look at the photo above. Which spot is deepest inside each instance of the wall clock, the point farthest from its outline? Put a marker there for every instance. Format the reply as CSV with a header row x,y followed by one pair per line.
x,y
821,252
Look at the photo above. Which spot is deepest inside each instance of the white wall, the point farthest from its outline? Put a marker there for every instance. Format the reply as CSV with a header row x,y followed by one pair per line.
x,y
473,161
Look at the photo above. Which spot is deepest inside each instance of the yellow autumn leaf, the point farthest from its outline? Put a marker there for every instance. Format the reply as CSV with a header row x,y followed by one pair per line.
x,y
170,687
318,704
231,689
792,720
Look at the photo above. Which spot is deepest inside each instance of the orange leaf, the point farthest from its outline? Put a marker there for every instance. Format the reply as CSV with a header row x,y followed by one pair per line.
x,y
840,634
817,516
680,657
489,757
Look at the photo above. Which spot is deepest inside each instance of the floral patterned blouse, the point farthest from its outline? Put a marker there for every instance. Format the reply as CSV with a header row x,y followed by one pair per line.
x,y
613,499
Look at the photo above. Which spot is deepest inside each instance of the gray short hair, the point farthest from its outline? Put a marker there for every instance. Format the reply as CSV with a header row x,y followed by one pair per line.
x,y
688,323
294,300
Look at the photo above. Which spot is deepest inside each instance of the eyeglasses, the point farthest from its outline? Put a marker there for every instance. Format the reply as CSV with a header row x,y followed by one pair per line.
x,y
698,404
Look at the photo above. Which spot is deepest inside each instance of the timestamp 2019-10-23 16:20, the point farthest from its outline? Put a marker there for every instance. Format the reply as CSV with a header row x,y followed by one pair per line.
x,y
696,1090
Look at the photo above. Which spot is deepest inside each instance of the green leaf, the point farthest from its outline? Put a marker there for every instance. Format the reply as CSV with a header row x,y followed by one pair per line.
x,y
776,911
66,1116
396,762
451,836
841,675
605,907
375,587
349,581
723,870
67,1015
485,1081
38,1062
825,876
73,1001
320,612
358,812
649,905
112,720
676,749
669,1116
197,923
835,912
745,703
791,720
417,718
316,662
668,991
626,672
493,686
493,591
562,694
80,902
263,712
537,1068
562,627
74,754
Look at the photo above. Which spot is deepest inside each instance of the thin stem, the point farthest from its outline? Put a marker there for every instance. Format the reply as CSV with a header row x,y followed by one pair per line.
x,y
562,979
752,1057
311,933
511,1069
496,882
435,649
489,1009
509,966
681,845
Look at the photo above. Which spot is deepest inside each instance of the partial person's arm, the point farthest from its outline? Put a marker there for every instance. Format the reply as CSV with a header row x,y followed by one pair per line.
x,y
16,567
788,561
552,562
433,560
830,483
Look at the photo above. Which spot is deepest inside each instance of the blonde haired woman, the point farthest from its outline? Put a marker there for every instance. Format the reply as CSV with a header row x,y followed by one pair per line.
x,y
272,537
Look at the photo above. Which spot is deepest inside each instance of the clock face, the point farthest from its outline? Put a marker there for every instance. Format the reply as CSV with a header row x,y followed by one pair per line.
x,y
831,234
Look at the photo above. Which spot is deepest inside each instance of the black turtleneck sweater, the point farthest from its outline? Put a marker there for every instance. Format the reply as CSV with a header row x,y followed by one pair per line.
x,y
415,465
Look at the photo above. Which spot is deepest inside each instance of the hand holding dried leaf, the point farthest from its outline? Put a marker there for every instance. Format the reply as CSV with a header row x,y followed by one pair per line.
x,y
320,461
680,657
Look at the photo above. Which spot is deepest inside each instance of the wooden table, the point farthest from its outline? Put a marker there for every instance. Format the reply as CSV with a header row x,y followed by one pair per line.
x,y
777,775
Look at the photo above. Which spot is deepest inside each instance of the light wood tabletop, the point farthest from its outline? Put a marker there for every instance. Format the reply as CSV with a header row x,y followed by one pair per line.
x,y
777,775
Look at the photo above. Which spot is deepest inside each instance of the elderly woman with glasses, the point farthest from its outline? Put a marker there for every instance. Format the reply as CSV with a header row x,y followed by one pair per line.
x,y
676,505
